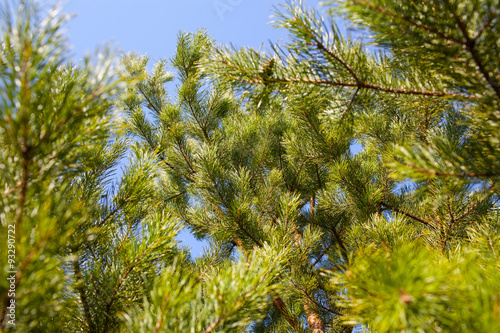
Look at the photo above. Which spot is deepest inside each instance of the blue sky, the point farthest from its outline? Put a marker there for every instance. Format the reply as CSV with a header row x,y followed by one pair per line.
x,y
151,26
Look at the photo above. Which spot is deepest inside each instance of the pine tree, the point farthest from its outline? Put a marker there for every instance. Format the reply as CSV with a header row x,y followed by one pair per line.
x,y
86,254
408,226
339,185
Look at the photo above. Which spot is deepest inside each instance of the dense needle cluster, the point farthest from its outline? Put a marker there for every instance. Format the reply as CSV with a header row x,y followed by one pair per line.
x,y
340,184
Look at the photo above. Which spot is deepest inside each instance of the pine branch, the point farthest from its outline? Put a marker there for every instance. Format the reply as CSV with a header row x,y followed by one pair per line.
x,y
471,208
184,155
122,280
323,48
408,20
314,300
292,185
343,249
362,85
490,242
236,219
20,271
470,45
113,212
281,166
25,151
488,21
349,106
448,228
416,218
453,174
150,104
325,250
198,121
285,312
83,296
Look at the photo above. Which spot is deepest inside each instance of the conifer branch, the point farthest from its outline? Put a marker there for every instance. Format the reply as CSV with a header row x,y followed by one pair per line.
x,y
408,20
150,104
448,228
416,218
470,45
122,280
83,295
175,196
340,242
113,212
184,155
471,208
312,299
315,129
197,119
280,156
25,152
292,185
349,106
261,158
453,174
323,48
20,271
320,183
362,85
325,250
490,243
285,312
488,21
236,219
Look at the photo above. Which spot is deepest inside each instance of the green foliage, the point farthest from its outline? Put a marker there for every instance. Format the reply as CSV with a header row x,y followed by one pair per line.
x,y
402,220
217,297
339,183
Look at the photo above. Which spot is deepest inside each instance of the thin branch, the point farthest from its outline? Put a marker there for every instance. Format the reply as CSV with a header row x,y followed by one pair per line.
x,y
313,300
492,247
343,249
176,195
198,120
416,218
470,45
364,85
112,213
322,254
150,104
323,48
281,166
448,228
237,220
285,312
349,106
184,155
83,295
292,185
320,183
415,24
488,21
470,209
452,174
122,280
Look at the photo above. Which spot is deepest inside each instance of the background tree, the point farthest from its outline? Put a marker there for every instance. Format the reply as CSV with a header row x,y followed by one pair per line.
x,y
88,253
